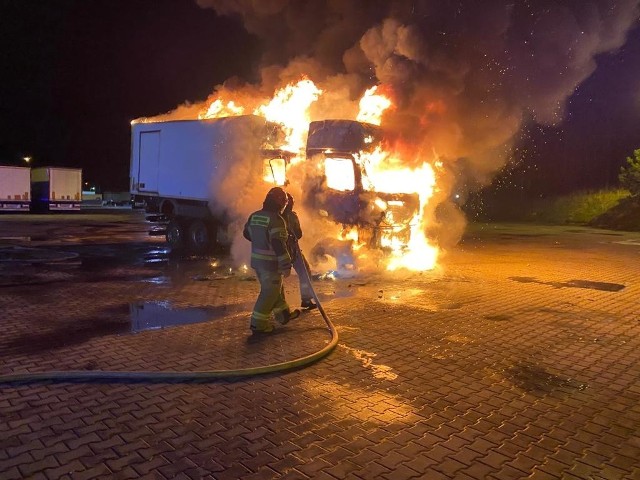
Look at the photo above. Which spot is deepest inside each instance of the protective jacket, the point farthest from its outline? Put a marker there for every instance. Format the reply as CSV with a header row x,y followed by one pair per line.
x,y
294,232
267,232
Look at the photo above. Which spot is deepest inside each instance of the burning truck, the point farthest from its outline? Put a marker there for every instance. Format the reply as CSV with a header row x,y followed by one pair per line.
x,y
175,165
338,185
201,177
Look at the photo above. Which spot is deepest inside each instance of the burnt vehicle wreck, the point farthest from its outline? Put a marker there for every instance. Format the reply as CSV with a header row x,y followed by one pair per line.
x,y
337,185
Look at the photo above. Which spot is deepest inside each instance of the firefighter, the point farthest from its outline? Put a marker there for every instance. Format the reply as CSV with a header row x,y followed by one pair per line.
x,y
300,264
270,259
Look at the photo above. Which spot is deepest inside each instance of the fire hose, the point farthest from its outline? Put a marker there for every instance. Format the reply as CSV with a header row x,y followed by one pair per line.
x,y
185,376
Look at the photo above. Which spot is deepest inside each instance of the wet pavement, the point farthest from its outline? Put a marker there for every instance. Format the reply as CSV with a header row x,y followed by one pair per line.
x,y
516,358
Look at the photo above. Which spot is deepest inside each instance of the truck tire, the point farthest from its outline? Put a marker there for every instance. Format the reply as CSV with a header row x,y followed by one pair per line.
x,y
175,234
200,237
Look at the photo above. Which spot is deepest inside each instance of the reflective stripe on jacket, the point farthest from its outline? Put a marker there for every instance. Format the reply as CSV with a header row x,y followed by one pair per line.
x,y
263,228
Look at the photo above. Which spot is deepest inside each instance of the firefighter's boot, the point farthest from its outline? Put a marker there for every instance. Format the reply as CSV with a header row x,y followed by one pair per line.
x,y
308,304
283,317
256,331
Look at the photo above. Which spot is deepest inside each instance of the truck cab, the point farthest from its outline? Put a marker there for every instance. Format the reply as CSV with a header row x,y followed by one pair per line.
x,y
336,186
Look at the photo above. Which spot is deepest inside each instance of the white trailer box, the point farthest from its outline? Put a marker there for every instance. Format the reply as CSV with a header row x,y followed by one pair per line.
x,y
56,189
15,188
176,165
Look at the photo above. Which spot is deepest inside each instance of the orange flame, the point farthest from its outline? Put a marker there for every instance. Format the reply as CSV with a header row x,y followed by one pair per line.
x,y
385,172
372,106
218,109
382,170
290,108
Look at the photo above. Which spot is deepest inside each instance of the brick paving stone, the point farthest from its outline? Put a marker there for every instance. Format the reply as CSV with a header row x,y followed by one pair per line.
x,y
523,463
439,453
466,456
384,447
286,464
494,459
509,472
23,458
478,470
537,474
371,470
38,466
127,473
262,458
401,473
151,464
342,469
449,467
12,473
67,468
120,462
611,471
100,471
576,447
336,455
483,390
313,467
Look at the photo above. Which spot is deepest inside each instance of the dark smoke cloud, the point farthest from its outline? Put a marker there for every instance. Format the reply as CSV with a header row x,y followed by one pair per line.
x,y
465,74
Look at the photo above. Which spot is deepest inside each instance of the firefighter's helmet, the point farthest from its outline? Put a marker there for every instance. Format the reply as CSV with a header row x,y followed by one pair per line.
x,y
278,197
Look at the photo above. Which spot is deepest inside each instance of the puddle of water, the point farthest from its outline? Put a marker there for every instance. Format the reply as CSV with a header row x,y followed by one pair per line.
x,y
525,280
15,254
604,286
533,378
607,287
383,372
155,315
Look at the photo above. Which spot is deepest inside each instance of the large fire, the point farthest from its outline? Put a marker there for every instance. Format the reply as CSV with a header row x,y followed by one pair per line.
x,y
383,170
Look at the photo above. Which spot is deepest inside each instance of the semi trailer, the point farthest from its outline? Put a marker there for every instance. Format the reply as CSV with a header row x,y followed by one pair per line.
x,y
15,189
55,189
178,168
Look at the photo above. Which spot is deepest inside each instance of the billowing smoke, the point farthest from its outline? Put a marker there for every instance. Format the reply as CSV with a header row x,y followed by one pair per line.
x,y
464,75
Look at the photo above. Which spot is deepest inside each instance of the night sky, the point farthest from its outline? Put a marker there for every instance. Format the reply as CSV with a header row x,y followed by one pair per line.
x,y
76,72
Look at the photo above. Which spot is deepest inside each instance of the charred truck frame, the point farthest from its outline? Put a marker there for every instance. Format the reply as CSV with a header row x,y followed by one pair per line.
x,y
348,198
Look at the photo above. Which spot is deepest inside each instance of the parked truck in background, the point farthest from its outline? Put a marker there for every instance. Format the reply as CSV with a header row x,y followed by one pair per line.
x,y
56,189
15,189
176,165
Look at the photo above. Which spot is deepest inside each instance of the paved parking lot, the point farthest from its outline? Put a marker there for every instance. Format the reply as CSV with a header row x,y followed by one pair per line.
x,y
516,358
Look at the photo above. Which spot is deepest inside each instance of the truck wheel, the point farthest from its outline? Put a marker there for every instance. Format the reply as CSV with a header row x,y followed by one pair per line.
x,y
199,237
175,234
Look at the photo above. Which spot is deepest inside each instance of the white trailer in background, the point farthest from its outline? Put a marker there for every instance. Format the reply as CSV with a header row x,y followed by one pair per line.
x,y
56,189
15,189
176,167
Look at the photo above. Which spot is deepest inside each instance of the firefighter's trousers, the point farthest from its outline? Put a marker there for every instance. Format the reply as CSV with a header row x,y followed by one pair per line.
x,y
300,264
270,299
